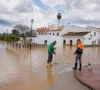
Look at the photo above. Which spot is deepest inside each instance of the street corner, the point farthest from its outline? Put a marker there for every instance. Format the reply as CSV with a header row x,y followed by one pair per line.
x,y
89,77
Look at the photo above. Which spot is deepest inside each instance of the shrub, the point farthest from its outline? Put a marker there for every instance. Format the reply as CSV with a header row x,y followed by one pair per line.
x,y
12,38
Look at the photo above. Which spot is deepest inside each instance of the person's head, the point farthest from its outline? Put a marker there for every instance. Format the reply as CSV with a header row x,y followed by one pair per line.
x,y
54,42
78,41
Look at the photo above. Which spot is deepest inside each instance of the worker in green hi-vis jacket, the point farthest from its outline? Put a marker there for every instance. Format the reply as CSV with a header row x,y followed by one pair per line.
x,y
50,53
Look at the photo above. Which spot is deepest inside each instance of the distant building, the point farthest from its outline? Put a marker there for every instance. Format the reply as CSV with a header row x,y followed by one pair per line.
x,y
50,30
88,35
46,35
67,35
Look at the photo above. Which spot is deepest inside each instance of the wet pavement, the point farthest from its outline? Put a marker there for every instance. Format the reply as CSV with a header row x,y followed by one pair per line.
x,y
90,77
26,70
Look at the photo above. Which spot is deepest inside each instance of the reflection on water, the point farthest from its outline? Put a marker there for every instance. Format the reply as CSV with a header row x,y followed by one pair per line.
x,y
26,70
51,77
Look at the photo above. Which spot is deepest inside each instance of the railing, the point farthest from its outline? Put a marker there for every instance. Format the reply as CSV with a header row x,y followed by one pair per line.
x,y
25,46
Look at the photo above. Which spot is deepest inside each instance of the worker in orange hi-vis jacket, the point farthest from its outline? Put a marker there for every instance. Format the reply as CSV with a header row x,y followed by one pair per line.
x,y
78,53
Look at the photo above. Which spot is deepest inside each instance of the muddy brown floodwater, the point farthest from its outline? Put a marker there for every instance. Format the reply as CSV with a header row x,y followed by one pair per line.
x,y
26,70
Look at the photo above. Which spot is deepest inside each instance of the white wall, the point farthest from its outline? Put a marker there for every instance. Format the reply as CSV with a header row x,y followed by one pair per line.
x,y
74,40
41,38
93,38
58,39
85,41
70,28
55,33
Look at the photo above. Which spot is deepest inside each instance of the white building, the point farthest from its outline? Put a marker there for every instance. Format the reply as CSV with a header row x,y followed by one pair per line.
x,y
67,35
47,35
89,35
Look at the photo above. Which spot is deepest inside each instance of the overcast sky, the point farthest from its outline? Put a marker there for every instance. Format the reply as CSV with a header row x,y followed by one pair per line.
x,y
75,12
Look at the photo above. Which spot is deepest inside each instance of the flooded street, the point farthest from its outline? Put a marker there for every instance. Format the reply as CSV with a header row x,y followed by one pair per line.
x,y
26,70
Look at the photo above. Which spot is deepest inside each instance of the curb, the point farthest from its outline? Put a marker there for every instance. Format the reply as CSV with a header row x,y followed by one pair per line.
x,y
84,83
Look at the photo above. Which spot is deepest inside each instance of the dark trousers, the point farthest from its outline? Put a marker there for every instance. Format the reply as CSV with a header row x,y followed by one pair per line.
x,y
50,56
78,57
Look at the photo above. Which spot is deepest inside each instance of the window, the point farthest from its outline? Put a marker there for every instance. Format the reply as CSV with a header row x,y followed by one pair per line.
x,y
45,33
53,33
50,33
91,36
57,34
94,33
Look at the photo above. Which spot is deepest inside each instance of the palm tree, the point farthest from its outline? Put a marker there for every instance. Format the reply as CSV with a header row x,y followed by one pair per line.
x,y
59,16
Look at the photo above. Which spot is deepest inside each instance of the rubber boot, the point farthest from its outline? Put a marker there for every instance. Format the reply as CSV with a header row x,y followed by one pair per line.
x,y
80,67
75,66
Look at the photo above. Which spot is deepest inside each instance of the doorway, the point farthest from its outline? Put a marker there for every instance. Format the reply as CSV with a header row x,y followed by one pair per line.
x,y
71,42
45,42
64,42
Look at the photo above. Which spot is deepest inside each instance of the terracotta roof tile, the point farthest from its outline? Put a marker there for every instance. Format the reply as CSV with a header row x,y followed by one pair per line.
x,y
75,33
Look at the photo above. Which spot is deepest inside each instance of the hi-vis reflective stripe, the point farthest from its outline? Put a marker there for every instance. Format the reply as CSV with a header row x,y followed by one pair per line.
x,y
80,45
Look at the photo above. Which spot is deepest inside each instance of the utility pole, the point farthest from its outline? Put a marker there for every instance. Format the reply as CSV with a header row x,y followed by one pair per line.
x,y
31,32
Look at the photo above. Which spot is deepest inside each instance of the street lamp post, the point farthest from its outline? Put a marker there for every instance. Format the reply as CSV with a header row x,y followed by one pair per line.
x,y
31,32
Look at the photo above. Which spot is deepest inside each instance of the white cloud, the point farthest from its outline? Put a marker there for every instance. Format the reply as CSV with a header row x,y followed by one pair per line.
x,y
25,10
78,12
53,3
25,6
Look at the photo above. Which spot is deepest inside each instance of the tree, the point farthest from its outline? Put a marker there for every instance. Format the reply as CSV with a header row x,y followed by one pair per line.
x,y
59,16
29,33
12,38
2,37
15,32
24,36
22,28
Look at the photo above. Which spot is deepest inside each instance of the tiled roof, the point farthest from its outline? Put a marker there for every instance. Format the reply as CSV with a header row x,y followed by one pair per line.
x,y
56,30
75,33
47,30
42,30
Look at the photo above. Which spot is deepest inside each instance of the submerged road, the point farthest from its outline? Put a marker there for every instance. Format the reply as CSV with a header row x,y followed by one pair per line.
x,y
26,70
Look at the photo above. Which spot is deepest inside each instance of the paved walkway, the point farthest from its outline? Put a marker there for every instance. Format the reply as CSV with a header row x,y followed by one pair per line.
x,y
65,79
90,78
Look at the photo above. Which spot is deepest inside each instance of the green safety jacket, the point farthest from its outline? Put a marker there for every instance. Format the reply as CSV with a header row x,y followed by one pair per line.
x,y
51,48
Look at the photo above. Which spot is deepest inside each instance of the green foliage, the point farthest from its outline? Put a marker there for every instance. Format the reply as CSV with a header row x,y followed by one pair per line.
x,y
2,36
15,32
59,16
12,38
31,34
28,34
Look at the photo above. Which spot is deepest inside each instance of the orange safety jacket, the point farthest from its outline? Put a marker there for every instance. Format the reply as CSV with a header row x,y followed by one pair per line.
x,y
79,49
80,45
